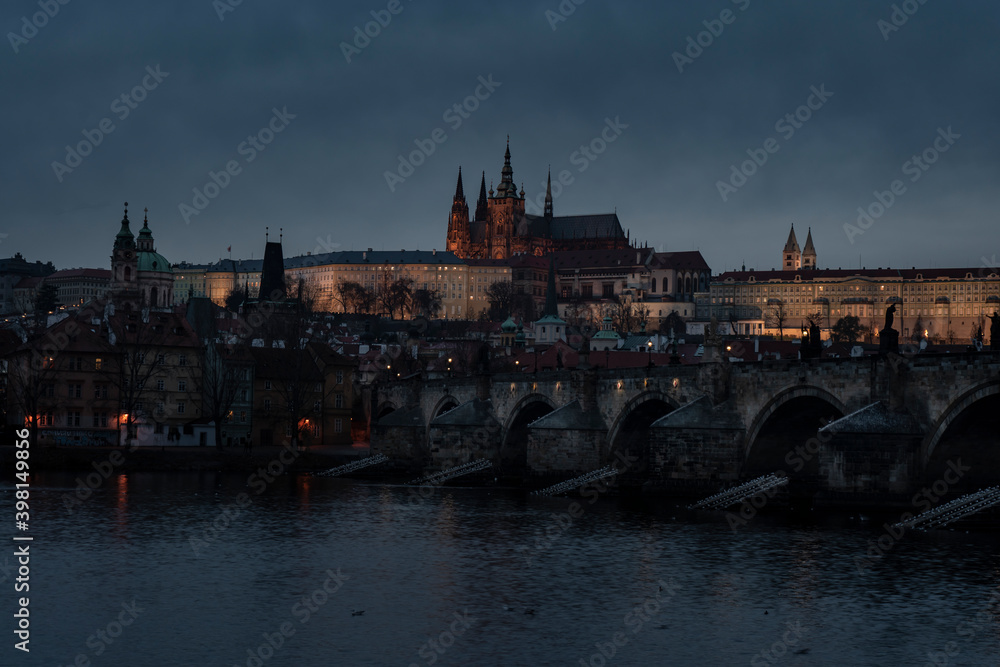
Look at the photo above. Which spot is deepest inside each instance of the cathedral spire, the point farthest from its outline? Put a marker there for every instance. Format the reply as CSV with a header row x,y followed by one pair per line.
x,y
548,195
459,191
809,252
792,244
507,187
482,206
791,256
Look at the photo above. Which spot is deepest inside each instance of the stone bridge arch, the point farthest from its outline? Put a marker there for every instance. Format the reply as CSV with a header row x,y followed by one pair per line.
x,y
514,435
807,395
634,414
444,404
384,408
975,413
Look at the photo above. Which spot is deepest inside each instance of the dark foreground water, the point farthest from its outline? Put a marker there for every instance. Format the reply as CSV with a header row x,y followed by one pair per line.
x,y
119,582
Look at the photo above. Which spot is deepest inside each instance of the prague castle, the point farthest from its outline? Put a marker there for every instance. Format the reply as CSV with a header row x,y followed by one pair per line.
x,y
500,228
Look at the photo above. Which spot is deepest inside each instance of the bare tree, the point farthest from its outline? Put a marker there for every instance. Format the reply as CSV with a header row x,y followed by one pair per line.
x,y
354,297
224,376
625,317
501,298
31,376
427,302
135,361
396,297
777,316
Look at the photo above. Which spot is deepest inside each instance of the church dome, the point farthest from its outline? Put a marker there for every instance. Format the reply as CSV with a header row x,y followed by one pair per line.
x,y
508,326
153,261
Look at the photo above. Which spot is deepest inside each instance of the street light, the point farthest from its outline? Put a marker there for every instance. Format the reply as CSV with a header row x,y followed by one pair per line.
x,y
649,349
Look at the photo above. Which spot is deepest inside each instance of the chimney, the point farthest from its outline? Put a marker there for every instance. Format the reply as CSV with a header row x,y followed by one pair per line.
x,y
434,251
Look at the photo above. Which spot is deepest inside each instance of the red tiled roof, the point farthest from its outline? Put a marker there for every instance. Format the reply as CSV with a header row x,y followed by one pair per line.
x,y
66,274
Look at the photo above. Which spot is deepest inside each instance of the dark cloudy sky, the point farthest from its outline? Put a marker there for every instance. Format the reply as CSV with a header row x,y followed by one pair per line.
x,y
323,179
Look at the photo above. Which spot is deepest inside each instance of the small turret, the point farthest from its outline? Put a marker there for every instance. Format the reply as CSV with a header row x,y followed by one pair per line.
x,y
791,258
809,252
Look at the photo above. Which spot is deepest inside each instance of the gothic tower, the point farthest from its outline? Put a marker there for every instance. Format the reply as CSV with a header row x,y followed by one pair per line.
x,y
482,205
458,220
124,262
809,252
791,256
506,212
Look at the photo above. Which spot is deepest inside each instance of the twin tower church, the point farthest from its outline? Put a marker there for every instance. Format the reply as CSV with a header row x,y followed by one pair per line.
x,y
500,228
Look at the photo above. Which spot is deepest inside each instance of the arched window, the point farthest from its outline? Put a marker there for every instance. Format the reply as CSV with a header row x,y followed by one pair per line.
x,y
653,289
127,274
152,297
687,284
666,284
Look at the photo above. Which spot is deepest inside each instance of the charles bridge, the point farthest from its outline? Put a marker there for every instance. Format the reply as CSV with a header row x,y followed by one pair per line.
x,y
843,429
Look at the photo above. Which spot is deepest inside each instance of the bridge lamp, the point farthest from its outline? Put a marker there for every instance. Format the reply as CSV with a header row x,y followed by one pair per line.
x,y
676,382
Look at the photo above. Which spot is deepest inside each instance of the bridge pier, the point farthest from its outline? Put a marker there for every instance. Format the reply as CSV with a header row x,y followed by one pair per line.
x,y
843,430
567,442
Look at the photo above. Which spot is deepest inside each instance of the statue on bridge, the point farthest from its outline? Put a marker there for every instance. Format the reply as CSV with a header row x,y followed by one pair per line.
x,y
888,338
889,314
995,331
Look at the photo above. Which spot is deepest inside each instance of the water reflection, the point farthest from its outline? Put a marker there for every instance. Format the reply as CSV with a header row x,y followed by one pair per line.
x,y
413,562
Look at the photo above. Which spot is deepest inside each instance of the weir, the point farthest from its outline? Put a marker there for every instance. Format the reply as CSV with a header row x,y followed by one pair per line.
x,y
576,482
955,510
354,466
742,492
458,471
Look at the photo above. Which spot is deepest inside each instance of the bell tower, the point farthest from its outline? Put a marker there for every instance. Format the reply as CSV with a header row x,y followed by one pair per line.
x,y
458,221
124,261
791,256
506,211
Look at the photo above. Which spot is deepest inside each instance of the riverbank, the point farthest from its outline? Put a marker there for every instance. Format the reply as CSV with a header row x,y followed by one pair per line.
x,y
157,459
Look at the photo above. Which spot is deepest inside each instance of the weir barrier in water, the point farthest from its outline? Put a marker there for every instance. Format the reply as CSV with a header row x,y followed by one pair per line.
x,y
360,464
451,473
740,493
576,482
951,512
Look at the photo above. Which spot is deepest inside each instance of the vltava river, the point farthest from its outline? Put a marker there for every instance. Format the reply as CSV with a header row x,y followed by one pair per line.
x,y
477,577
